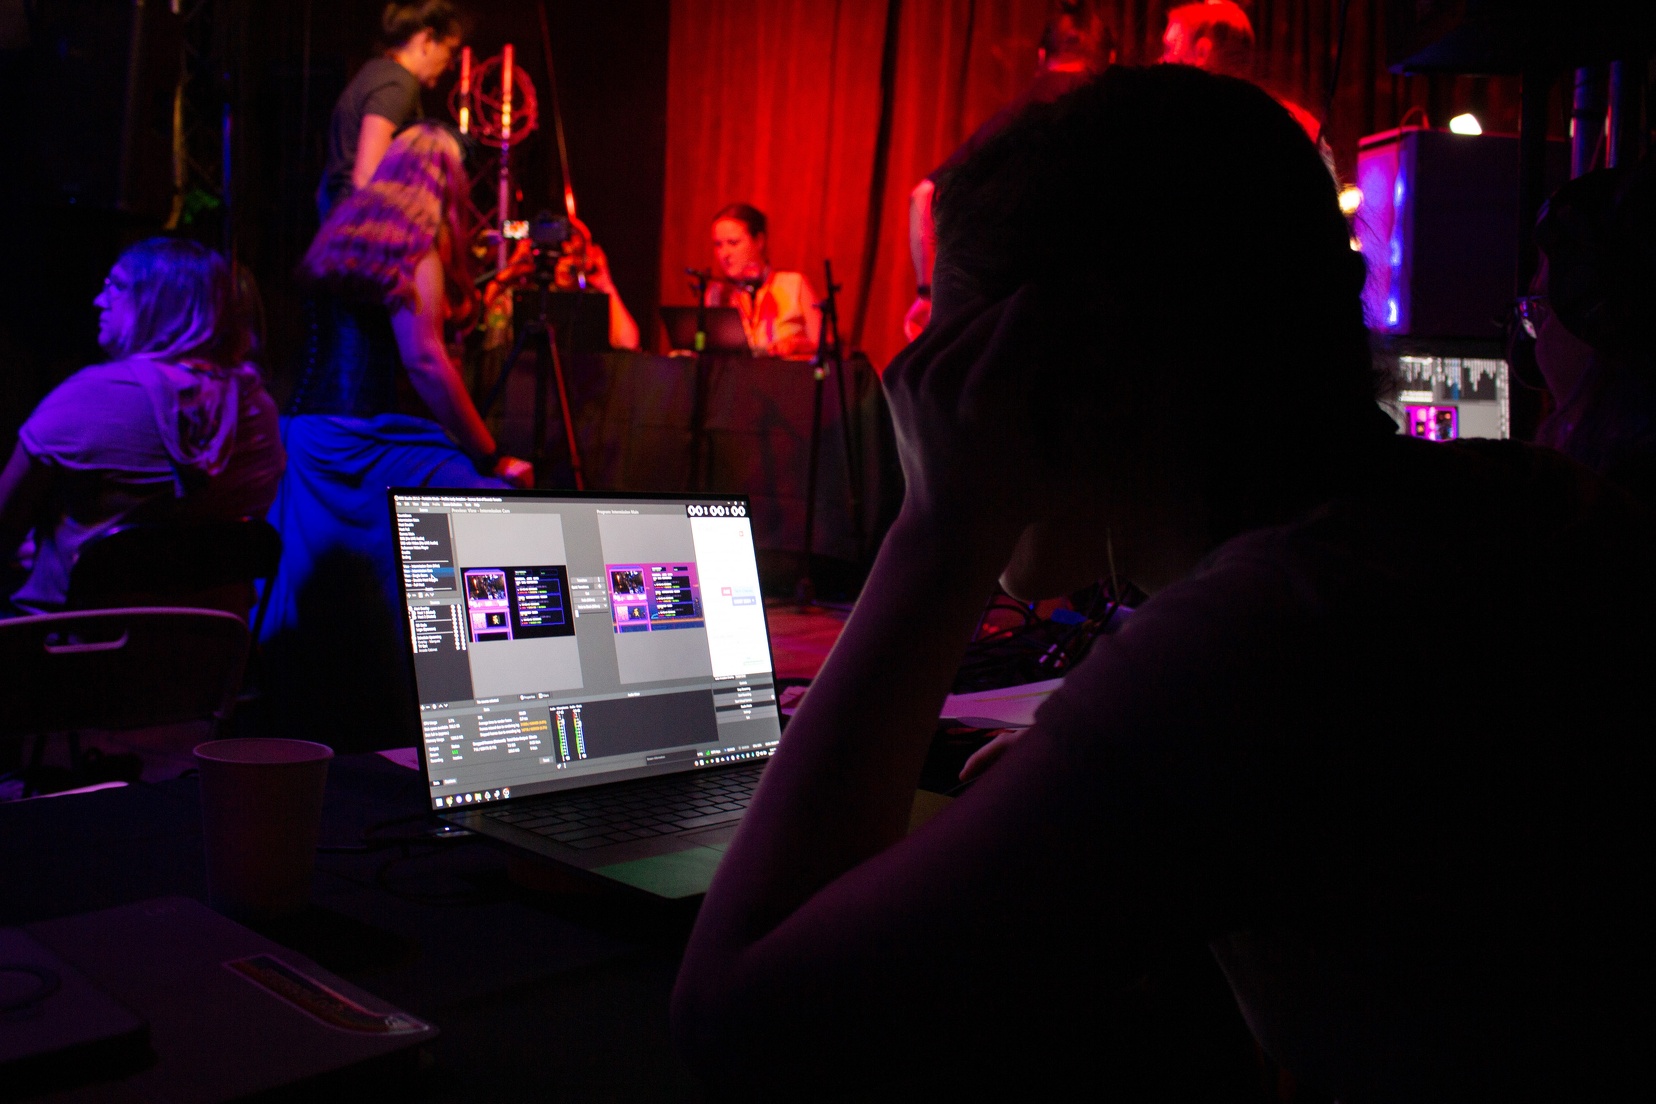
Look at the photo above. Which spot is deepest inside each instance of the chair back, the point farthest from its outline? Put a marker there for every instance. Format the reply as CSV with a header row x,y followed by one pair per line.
x,y
119,669
201,564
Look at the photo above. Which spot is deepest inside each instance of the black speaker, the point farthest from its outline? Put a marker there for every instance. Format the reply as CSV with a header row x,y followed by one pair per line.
x,y
1509,36
98,104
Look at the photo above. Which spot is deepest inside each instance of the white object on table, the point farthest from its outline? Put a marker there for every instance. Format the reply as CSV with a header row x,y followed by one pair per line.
x,y
1008,707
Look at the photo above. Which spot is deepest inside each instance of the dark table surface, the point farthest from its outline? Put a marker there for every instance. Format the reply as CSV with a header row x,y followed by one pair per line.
x,y
551,993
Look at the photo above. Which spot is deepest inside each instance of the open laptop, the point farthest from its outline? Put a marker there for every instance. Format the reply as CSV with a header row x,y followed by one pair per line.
x,y
725,335
593,673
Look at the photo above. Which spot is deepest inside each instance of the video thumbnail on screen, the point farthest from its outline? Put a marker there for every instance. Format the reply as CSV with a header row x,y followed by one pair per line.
x,y
653,597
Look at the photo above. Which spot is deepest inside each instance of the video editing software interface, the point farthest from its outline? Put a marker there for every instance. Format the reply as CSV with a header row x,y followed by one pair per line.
x,y
561,642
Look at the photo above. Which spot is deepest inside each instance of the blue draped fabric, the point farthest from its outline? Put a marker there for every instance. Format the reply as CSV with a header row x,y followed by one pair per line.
x,y
331,506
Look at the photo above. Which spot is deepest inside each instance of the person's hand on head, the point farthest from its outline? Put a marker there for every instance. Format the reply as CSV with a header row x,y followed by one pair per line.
x,y
962,404
519,473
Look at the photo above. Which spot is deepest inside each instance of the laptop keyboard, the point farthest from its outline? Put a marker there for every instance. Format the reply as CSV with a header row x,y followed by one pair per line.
x,y
654,807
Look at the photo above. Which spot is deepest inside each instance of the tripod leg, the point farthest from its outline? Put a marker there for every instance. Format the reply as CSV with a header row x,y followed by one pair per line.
x,y
568,415
543,368
499,387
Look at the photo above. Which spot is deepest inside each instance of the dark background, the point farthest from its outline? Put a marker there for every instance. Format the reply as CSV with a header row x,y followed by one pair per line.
x,y
283,63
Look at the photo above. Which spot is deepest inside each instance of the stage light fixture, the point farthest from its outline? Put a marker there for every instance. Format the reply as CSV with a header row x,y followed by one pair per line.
x,y
1351,198
1465,124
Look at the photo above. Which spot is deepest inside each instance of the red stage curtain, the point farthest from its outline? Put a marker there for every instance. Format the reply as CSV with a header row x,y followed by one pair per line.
x,y
780,104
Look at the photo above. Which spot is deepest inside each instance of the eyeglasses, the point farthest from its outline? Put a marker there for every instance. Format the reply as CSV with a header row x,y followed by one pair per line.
x,y
1532,311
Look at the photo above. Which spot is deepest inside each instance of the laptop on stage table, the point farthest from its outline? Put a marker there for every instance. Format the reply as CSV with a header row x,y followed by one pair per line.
x,y
725,336
593,673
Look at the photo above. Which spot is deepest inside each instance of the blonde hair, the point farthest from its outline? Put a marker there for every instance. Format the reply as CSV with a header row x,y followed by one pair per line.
x,y
183,305
374,239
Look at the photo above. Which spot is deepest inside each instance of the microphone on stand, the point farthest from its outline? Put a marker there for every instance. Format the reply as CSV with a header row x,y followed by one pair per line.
x,y
699,279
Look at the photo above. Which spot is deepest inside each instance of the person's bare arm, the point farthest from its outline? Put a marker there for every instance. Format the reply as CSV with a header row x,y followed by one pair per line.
x,y
373,139
813,315
623,331
922,251
803,341
922,234
820,893
419,334
23,485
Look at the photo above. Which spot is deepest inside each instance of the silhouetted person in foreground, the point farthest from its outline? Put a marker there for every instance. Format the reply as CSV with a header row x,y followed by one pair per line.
x,y
1353,742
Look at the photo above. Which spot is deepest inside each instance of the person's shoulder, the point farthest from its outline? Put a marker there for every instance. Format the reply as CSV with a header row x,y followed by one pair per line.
x,y
796,284
378,71
104,371
79,415
96,383
1050,84
1520,490
384,85
1307,121
1462,526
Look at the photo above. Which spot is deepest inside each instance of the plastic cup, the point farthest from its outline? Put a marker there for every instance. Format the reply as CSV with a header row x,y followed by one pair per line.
x,y
261,814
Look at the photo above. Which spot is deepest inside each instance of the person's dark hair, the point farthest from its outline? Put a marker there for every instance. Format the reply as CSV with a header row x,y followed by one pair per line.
x,y
1599,234
399,23
373,241
1189,241
183,305
749,216
1226,25
1077,29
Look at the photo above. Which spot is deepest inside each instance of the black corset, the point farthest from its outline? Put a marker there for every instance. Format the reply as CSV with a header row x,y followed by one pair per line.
x,y
351,361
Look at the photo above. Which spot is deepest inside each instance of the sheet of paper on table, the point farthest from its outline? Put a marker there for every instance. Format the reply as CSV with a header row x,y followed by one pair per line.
x,y
1008,707
403,757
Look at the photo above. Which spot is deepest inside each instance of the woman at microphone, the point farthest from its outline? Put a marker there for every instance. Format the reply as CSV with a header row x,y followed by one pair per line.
x,y
778,309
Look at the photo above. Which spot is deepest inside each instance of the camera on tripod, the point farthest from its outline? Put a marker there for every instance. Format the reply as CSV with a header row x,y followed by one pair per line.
x,y
545,233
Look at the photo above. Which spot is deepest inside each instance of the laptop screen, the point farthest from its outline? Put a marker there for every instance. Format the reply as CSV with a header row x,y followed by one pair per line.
x,y
563,640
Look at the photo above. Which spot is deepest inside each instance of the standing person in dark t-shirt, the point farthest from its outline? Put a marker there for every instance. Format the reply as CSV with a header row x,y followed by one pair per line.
x,y
420,43
1074,45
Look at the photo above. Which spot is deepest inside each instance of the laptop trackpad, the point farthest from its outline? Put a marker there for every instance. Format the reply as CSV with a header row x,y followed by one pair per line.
x,y
675,874
719,837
